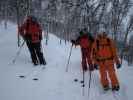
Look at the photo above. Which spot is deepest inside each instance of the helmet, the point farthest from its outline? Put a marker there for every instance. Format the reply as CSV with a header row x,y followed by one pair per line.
x,y
28,19
31,18
83,31
101,30
102,35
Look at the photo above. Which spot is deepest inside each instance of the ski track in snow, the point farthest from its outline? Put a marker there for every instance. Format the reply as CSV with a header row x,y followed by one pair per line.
x,y
53,82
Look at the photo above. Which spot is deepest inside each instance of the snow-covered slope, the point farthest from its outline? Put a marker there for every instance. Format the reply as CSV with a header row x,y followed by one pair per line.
x,y
53,82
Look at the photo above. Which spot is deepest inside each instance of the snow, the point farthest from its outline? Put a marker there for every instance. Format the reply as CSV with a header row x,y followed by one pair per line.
x,y
54,82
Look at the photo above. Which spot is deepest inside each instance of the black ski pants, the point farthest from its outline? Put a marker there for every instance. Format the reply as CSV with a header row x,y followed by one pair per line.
x,y
36,52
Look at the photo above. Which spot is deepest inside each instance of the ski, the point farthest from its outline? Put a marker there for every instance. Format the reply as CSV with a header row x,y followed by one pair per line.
x,y
115,95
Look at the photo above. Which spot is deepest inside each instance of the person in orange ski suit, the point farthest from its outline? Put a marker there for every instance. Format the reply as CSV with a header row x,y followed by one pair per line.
x,y
85,41
104,54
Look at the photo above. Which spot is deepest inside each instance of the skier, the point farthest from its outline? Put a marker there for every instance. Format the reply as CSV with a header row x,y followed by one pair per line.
x,y
31,32
85,41
104,54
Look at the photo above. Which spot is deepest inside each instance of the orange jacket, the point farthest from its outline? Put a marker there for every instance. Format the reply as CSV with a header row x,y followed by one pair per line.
x,y
104,49
32,30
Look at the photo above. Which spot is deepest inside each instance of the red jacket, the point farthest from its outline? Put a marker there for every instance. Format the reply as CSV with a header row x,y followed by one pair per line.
x,y
31,30
84,41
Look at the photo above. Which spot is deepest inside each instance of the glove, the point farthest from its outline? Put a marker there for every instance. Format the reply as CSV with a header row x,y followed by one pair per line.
x,y
95,66
27,38
73,41
24,37
118,66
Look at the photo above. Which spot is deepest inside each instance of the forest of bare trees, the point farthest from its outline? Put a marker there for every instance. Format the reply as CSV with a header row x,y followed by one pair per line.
x,y
65,17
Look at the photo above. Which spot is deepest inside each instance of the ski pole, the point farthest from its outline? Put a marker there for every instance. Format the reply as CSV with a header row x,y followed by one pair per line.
x,y
90,78
18,52
69,58
83,83
90,74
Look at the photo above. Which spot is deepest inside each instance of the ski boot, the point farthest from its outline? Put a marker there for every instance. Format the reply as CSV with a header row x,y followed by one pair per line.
x,y
43,63
116,88
35,63
106,88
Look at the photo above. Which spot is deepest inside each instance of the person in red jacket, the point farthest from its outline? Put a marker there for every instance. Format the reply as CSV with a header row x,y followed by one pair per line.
x,y
31,32
85,41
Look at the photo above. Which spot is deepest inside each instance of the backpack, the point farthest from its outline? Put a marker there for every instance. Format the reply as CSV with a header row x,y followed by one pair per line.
x,y
104,49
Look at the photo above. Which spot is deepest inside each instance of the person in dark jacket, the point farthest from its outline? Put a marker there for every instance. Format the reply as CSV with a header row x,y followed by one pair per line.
x,y
31,32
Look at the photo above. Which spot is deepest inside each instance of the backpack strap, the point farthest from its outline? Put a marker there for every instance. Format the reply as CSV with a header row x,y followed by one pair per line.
x,y
109,42
106,44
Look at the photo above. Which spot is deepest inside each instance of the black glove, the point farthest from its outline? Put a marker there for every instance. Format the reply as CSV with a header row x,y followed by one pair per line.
x,y
27,38
118,66
73,41
95,66
24,37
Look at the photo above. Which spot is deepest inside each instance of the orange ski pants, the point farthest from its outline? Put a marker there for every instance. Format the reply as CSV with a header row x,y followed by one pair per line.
x,y
107,73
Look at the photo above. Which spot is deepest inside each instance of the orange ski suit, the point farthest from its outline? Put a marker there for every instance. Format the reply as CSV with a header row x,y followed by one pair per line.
x,y
104,54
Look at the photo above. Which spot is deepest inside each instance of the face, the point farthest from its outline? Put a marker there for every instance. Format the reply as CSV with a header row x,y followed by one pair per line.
x,y
28,19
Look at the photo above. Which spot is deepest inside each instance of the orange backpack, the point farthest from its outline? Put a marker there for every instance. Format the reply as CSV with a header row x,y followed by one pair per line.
x,y
104,49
